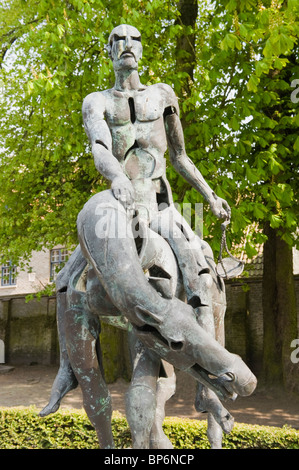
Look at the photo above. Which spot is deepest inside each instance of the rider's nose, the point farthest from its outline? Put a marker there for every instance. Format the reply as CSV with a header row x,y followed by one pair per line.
x,y
128,43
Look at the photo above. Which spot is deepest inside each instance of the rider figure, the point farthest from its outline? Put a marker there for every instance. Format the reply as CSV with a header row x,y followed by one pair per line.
x,y
130,128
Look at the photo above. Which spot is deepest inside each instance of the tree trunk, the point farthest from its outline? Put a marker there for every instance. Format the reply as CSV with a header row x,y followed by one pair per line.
x,y
185,62
185,46
279,313
286,299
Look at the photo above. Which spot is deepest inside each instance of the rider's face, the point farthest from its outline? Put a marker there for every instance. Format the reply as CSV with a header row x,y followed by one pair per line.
x,y
126,47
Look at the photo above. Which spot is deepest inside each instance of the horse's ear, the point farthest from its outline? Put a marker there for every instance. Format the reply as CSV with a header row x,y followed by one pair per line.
x,y
145,316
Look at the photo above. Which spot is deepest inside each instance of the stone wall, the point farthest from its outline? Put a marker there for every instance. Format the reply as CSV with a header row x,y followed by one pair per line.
x,y
29,330
244,320
29,333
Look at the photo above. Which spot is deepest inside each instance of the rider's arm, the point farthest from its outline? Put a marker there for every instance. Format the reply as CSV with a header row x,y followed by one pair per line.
x,y
100,139
182,163
99,136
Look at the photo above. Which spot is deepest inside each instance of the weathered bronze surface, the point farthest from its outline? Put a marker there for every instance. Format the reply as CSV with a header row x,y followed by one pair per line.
x,y
140,267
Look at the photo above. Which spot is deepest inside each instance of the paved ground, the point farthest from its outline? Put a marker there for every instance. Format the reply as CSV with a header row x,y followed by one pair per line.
x,y
31,386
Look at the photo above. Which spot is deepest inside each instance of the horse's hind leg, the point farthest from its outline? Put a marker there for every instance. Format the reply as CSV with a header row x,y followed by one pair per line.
x,y
82,338
214,432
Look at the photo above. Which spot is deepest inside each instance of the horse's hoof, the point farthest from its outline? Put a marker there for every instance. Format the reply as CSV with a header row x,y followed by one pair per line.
x,y
226,422
163,443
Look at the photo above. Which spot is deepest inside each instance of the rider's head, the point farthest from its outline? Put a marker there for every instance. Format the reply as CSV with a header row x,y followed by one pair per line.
x,y
124,47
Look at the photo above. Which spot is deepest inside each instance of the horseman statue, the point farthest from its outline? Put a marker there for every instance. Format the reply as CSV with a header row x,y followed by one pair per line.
x,y
140,266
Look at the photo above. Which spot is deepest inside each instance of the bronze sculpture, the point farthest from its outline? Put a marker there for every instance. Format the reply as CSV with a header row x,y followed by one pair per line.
x,y
140,265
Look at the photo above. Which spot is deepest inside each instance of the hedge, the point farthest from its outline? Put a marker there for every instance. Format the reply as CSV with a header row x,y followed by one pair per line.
x,y
22,428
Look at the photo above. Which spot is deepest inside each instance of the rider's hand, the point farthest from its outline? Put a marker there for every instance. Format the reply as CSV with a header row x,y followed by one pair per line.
x,y
220,207
123,190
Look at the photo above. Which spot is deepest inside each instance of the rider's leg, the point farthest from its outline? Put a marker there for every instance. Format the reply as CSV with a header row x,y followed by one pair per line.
x,y
197,266
207,401
141,395
65,379
219,419
82,339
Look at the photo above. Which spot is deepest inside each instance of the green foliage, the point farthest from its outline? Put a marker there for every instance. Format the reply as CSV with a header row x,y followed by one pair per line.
x,y
23,429
241,122
191,434
52,54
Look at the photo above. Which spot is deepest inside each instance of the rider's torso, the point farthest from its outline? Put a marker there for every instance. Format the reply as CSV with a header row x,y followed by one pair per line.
x,y
136,124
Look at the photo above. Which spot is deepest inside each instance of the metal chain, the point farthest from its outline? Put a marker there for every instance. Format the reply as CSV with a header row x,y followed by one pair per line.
x,y
224,245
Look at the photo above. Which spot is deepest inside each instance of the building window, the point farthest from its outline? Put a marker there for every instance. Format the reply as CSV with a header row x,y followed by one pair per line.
x,y
8,275
58,257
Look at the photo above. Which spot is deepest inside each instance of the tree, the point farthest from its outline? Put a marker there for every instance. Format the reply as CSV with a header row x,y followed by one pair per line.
x,y
246,132
241,128
232,64
53,55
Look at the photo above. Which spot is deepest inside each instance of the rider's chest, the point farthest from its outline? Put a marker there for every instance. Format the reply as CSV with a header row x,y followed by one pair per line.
x,y
140,107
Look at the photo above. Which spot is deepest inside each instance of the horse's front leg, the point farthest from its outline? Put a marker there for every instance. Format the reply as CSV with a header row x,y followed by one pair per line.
x,y
82,339
141,397
165,390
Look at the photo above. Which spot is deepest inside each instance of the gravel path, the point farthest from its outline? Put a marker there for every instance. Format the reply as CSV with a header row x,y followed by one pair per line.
x,y
31,386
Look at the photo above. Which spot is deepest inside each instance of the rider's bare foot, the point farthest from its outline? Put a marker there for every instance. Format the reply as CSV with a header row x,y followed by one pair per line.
x,y
64,382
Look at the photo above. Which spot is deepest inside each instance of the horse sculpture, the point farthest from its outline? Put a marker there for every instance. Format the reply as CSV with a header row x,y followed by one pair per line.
x,y
79,293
